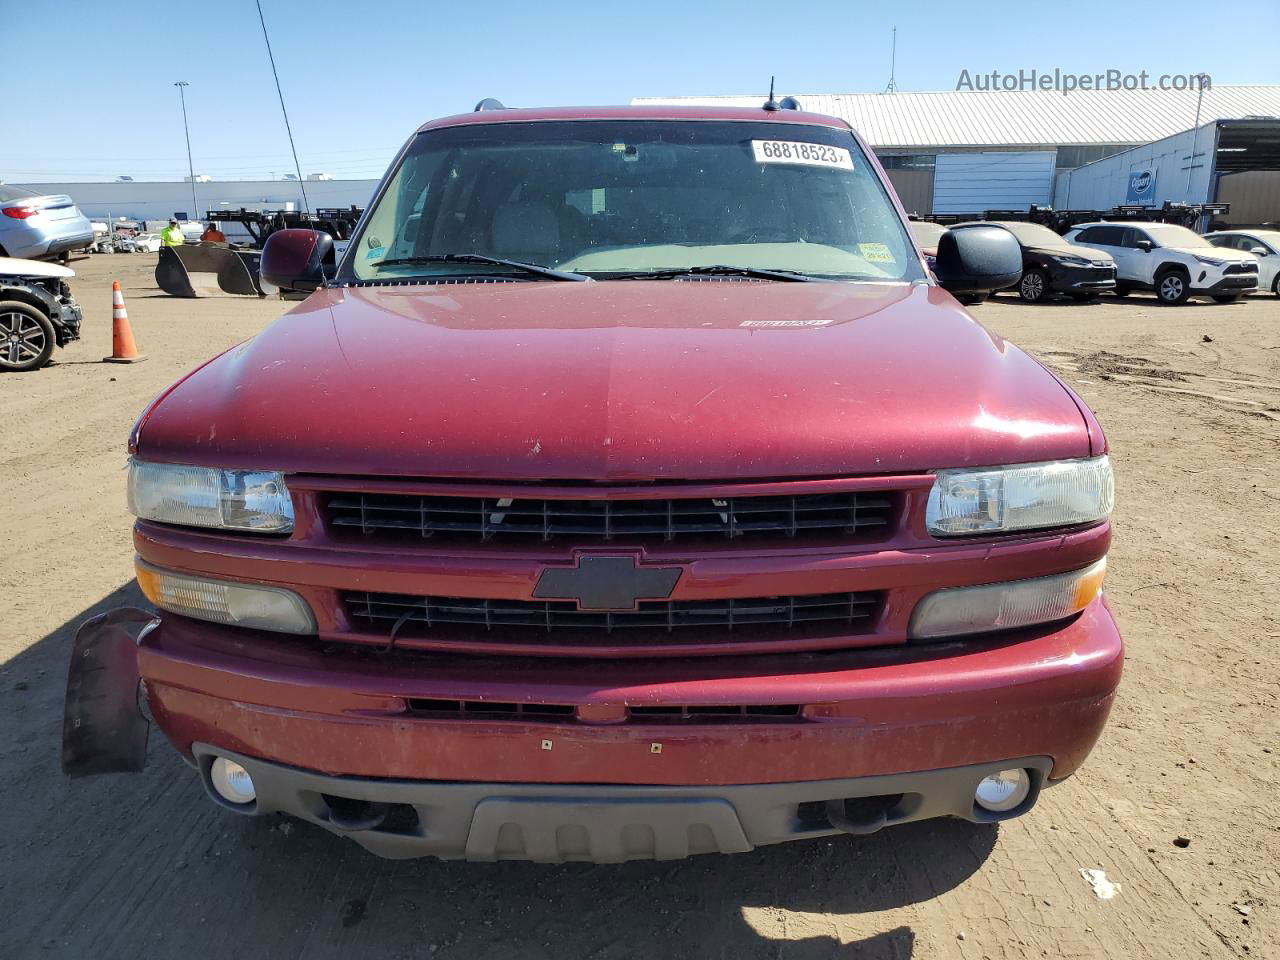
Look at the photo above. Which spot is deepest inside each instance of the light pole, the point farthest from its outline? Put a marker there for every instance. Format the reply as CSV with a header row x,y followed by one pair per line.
x,y
182,97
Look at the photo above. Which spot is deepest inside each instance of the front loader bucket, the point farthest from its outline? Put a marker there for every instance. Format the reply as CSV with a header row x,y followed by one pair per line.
x,y
103,728
208,270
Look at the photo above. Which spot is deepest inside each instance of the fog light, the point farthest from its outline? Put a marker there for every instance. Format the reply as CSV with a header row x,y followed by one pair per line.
x,y
1003,791
233,782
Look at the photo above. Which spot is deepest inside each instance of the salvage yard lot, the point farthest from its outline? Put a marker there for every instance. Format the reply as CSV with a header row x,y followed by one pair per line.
x,y
144,866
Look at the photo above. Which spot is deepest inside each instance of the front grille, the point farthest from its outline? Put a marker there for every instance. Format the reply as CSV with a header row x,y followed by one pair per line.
x,y
409,516
1241,268
398,616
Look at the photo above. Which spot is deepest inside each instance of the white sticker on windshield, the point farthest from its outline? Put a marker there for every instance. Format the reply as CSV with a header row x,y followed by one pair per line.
x,y
765,324
798,151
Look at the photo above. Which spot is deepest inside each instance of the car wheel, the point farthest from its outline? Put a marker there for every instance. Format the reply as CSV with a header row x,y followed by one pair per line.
x,y
1275,285
1122,290
1227,299
1034,285
1173,288
26,337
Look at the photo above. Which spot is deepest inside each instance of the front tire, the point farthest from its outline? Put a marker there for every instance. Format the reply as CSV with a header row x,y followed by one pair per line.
x,y
1034,285
26,337
1122,289
1172,288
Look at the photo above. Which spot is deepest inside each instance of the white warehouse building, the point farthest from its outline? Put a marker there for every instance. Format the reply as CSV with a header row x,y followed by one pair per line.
x,y
959,152
160,200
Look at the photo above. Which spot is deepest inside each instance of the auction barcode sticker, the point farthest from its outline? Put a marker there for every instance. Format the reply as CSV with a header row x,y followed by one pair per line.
x,y
798,151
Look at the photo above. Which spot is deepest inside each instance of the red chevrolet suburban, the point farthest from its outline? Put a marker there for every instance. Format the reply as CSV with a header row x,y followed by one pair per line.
x,y
628,489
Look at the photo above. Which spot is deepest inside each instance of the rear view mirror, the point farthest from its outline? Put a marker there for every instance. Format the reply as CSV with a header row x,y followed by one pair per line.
x,y
295,259
978,260
1143,245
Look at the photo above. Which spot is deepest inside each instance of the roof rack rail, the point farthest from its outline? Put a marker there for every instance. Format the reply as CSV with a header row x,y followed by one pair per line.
x,y
489,103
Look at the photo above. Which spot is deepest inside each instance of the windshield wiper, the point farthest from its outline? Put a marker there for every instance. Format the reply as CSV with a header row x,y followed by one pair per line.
x,y
720,270
535,268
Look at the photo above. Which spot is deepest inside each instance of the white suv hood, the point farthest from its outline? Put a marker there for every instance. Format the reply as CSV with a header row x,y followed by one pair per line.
x,y
1218,253
13,267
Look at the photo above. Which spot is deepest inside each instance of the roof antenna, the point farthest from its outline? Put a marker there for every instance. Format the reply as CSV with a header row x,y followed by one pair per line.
x,y
302,186
893,62
771,104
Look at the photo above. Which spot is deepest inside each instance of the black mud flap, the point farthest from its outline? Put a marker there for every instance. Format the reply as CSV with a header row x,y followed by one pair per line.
x,y
103,728
208,270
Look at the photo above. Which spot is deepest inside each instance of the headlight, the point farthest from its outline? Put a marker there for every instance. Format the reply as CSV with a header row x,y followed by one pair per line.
x,y
1025,496
1003,606
1211,261
255,500
226,601
1073,261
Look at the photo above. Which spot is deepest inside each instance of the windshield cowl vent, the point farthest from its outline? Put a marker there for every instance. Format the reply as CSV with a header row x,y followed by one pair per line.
x,y
705,279
428,281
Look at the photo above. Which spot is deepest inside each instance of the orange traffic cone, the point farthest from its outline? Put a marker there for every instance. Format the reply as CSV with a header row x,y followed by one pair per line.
x,y
123,349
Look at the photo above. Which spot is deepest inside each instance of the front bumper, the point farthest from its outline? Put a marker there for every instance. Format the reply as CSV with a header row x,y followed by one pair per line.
x,y
607,824
331,720
1233,284
1082,279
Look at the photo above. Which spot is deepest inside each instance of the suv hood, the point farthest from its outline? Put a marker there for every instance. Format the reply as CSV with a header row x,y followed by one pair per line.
x,y
1074,250
618,381
12,267
1225,254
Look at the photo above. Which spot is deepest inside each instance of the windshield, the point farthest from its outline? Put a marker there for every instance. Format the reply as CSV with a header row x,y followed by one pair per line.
x,y
1172,235
927,234
611,199
14,193
1034,234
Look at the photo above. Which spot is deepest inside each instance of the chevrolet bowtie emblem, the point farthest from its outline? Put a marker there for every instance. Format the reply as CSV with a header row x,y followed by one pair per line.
x,y
606,583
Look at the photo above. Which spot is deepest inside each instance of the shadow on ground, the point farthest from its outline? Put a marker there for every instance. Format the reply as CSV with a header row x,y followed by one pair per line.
x,y
142,865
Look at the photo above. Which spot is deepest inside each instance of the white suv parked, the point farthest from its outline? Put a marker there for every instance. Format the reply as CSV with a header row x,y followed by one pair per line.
x,y
1171,260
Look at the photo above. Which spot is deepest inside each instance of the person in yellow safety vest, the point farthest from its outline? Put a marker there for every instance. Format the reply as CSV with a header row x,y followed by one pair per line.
x,y
171,236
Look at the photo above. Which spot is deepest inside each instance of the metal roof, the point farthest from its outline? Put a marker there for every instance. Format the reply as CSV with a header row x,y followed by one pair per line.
x,y
682,110
1030,118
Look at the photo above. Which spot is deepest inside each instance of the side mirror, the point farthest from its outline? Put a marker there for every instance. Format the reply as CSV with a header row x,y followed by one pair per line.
x,y
978,260
1258,251
295,259
1143,245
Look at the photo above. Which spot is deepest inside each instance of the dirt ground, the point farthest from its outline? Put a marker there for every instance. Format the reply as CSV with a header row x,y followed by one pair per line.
x,y
143,866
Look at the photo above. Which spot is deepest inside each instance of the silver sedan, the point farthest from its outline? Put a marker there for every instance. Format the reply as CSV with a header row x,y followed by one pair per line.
x,y
35,227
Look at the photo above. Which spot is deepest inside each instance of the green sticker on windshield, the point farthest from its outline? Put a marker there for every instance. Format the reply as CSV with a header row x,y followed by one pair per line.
x,y
375,253
875,253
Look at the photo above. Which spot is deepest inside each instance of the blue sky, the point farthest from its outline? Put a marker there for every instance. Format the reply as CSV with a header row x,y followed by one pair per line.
x,y
95,78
